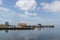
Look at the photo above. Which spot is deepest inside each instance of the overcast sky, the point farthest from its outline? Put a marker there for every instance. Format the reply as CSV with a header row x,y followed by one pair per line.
x,y
30,11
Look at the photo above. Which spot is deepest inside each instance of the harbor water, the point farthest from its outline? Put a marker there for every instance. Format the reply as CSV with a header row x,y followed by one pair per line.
x,y
37,34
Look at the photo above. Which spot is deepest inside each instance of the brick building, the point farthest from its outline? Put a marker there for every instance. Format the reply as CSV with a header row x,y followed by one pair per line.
x,y
22,24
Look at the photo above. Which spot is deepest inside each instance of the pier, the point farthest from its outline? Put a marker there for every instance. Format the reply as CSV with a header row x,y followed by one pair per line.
x,y
17,28
25,28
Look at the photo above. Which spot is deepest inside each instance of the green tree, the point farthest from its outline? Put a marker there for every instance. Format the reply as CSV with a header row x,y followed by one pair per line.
x,y
7,23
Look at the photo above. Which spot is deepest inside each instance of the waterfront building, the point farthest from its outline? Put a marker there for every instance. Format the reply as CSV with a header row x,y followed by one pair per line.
x,y
22,24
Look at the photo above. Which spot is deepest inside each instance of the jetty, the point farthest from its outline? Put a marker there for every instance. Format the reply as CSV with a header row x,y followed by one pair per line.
x,y
26,28
17,28
23,26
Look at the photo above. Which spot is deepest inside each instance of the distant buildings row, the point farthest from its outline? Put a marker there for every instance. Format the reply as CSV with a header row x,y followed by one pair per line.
x,y
23,25
34,26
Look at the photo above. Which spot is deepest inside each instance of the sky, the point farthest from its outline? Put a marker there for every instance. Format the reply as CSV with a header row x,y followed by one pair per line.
x,y
30,11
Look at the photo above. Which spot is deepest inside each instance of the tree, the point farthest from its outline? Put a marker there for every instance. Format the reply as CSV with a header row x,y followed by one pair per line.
x,y
39,24
7,23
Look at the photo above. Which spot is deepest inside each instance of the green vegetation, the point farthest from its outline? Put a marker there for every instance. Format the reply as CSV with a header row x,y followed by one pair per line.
x,y
4,25
7,23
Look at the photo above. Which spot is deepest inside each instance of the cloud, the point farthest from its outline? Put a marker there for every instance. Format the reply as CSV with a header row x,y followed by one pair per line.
x,y
13,17
26,4
31,18
38,9
5,9
6,15
54,6
7,12
0,2
28,15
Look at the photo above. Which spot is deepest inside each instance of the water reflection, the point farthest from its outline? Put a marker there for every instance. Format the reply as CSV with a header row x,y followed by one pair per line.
x,y
6,31
43,34
24,35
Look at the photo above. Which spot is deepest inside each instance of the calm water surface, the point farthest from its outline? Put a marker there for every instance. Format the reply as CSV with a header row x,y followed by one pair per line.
x,y
43,34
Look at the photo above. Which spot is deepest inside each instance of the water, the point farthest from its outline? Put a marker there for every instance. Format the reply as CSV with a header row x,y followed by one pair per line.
x,y
43,34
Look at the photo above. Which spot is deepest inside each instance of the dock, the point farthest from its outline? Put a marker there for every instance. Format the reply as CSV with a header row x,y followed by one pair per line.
x,y
27,27
17,28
